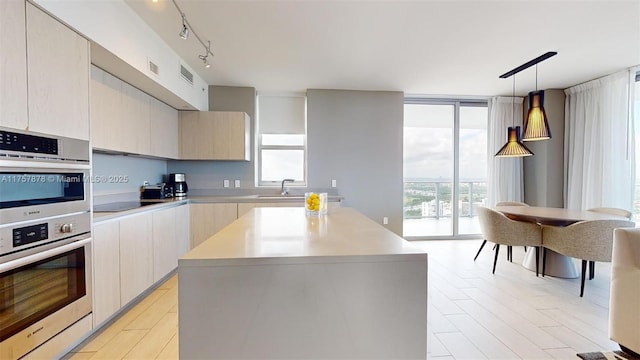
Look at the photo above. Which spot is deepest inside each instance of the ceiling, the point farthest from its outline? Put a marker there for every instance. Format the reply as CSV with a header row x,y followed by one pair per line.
x,y
445,47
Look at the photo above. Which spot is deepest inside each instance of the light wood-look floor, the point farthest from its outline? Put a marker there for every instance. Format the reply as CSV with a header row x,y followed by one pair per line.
x,y
472,313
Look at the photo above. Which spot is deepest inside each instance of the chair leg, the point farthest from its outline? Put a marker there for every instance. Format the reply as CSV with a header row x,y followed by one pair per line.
x,y
495,258
525,249
537,259
479,250
509,249
544,260
584,272
592,270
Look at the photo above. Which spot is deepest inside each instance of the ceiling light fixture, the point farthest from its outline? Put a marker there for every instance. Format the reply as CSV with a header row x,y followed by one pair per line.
x,y
514,146
184,33
536,126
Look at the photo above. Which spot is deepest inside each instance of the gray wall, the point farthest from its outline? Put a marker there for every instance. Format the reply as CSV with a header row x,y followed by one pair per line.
x,y
137,170
355,137
544,172
210,174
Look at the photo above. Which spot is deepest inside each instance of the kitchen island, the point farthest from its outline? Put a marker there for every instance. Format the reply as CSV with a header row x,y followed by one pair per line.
x,y
279,284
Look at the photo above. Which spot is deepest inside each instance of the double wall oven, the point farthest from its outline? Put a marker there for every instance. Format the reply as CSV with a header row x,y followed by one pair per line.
x,y
45,238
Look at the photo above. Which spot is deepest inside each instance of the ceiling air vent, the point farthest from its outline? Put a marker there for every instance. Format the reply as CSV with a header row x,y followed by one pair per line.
x,y
186,74
153,67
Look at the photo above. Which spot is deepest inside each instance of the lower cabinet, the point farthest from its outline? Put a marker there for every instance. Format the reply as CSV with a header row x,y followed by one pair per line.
x,y
132,253
208,219
170,233
106,270
136,256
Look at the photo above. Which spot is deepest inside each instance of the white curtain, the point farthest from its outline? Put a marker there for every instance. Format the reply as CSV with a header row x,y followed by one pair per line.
x,y
598,144
505,181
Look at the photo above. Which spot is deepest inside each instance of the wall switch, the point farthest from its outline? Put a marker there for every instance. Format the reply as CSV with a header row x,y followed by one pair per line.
x,y
236,183
225,183
334,183
385,221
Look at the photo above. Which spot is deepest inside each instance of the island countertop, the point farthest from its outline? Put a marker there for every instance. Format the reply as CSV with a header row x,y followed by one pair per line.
x,y
286,235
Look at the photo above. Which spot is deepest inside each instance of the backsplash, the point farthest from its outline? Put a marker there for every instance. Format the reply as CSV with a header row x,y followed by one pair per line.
x,y
117,174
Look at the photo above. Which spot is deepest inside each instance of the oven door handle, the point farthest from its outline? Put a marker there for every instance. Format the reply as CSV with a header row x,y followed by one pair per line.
x,y
44,165
10,265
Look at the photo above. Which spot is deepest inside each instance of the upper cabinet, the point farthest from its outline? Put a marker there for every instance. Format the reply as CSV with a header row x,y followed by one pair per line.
x,y
44,77
215,135
125,119
13,72
57,77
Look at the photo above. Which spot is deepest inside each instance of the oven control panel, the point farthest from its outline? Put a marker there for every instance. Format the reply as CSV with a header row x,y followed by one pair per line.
x,y
27,235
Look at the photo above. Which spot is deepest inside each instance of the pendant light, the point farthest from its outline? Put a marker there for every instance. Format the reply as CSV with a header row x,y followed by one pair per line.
x,y
514,146
536,126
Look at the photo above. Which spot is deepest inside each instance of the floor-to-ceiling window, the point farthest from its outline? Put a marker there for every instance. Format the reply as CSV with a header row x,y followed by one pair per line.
x,y
445,167
636,123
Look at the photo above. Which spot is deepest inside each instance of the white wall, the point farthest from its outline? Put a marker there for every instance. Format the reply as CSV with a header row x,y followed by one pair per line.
x,y
117,28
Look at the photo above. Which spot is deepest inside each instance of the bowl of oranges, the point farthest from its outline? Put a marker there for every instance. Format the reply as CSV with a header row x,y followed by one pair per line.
x,y
315,204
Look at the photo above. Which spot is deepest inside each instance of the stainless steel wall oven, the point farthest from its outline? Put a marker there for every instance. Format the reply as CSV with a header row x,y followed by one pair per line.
x,y
45,238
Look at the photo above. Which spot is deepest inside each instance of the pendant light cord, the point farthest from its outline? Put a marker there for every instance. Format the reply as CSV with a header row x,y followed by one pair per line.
x,y
513,103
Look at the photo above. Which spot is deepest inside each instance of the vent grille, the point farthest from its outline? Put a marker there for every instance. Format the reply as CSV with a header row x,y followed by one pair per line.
x,y
153,67
186,74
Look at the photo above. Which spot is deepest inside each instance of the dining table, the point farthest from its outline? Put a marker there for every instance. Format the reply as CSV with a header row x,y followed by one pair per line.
x,y
557,265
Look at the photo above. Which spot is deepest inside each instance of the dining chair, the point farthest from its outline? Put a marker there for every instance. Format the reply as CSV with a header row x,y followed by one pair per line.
x,y
607,210
499,229
509,248
589,240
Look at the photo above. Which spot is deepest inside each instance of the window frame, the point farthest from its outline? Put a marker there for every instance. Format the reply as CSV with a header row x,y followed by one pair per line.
x,y
259,147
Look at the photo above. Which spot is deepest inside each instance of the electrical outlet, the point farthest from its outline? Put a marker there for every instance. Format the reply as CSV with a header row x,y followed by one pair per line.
x,y
334,183
225,183
236,183
385,221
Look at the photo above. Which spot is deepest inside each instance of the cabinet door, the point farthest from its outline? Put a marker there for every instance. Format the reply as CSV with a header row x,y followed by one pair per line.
x,y
13,72
208,219
106,270
182,229
134,129
136,256
214,135
58,77
165,242
163,122
106,110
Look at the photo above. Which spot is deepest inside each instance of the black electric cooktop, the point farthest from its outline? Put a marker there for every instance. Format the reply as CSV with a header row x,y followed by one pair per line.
x,y
121,206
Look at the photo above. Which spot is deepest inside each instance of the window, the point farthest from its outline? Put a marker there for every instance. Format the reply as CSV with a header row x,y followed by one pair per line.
x,y
282,138
445,167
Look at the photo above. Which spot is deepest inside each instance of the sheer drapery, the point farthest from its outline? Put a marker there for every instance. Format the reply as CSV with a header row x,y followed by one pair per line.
x,y
598,144
504,178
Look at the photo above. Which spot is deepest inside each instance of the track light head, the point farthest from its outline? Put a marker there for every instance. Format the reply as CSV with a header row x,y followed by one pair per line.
x,y
184,33
204,60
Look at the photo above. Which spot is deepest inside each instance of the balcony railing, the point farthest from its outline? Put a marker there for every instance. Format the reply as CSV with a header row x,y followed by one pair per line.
x,y
433,199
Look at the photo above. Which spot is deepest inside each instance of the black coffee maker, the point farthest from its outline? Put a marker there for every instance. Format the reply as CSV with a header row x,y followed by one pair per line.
x,y
179,184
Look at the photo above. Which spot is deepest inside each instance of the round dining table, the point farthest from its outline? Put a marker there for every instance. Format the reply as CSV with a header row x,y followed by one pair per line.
x,y
558,265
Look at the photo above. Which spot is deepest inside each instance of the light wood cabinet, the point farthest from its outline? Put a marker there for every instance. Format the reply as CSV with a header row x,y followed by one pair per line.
x,y
106,270
163,123
165,242
128,120
182,229
136,256
58,76
13,72
208,219
215,135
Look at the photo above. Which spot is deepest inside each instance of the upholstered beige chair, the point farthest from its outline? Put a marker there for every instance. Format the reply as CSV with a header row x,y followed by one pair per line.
x,y
624,302
509,248
586,240
501,230
613,211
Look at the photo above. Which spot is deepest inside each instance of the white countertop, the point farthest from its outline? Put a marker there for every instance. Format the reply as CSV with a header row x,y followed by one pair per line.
x,y
287,235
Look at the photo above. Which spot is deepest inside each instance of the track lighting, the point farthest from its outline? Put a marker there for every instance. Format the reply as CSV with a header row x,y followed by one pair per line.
x,y
184,33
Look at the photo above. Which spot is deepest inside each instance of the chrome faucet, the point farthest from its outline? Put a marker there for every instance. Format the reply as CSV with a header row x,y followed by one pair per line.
x,y
284,191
